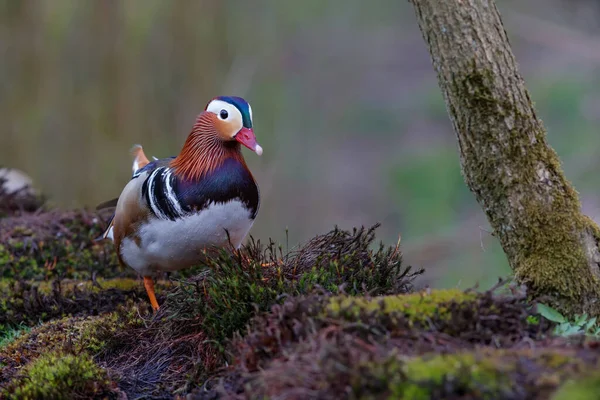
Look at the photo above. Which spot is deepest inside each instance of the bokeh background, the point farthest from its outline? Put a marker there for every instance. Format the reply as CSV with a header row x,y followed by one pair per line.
x,y
346,107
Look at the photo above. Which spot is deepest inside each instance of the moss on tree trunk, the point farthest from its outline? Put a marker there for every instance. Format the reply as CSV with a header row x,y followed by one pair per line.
x,y
515,175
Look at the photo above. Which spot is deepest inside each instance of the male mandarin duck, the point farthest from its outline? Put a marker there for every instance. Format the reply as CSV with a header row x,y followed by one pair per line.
x,y
173,209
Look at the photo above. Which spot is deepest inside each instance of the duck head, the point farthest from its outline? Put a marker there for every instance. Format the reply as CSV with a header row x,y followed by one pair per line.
x,y
224,125
232,118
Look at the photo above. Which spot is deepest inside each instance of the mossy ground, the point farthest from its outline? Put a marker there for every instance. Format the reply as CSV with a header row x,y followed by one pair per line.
x,y
335,318
58,375
471,346
55,244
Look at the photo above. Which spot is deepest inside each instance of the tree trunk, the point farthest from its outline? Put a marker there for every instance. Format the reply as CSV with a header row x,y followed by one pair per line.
x,y
515,176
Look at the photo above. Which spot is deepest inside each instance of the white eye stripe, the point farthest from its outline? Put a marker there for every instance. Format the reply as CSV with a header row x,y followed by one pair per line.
x,y
234,117
216,106
250,111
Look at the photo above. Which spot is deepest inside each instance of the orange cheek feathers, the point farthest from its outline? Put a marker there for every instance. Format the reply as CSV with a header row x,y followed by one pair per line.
x,y
224,129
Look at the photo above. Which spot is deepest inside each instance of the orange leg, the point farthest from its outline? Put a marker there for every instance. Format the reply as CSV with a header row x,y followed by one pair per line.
x,y
149,284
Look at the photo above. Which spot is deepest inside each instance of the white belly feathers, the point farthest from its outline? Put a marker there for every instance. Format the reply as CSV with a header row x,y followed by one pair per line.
x,y
167,245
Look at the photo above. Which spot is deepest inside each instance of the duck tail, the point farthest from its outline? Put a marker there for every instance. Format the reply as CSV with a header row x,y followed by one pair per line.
x,y
139,157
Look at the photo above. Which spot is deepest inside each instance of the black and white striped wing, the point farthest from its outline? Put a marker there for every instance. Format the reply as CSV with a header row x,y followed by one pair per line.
x,y
159,193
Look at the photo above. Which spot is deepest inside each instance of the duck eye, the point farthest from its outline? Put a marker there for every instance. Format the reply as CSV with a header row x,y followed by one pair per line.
x,y
223,114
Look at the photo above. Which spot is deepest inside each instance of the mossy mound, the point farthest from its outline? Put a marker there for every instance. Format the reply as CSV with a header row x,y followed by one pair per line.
x,y
586,388
24,303
240,285
80,336
56,244
438,344
335,318
203,313
62,376
342,364
460,319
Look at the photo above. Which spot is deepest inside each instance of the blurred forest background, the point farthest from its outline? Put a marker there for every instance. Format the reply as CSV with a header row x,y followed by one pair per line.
x,y
345,100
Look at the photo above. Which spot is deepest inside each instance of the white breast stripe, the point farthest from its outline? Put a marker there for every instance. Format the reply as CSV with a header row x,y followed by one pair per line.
x,y
152,194
171,196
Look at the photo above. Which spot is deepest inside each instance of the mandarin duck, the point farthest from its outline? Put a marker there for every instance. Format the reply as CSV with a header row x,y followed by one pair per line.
x,y
174,210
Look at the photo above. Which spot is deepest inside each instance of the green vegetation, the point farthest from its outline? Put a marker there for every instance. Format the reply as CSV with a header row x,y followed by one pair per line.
x,y
199,316
236,289
61,376
416,307
273,316
586,388
56,244
308,346
425,376
87,336
578,325
22,303
8,336
250,308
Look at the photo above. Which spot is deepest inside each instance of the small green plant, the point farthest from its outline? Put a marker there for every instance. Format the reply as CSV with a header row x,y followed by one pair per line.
x,y
580,325
11,334
240,285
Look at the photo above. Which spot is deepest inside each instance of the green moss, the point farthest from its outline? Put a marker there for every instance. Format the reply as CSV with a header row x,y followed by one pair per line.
x,y
27,303
475,90
547,256
96,334
83,333
56,244
5,256
186,340
543,262
586,388
60,376
480,374
466,372
46,337
238,287
8,336
67,285
542,233
89,335
417,307
337,359
227,298
327,344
